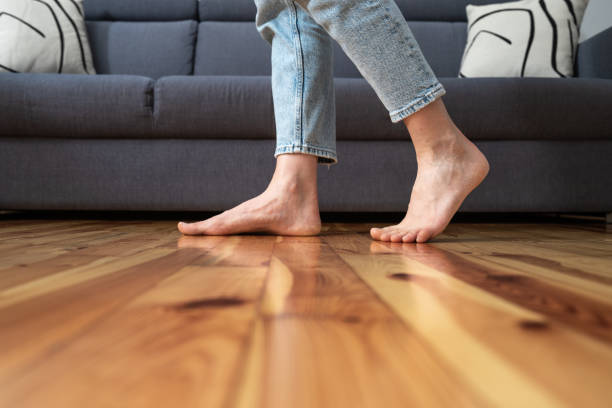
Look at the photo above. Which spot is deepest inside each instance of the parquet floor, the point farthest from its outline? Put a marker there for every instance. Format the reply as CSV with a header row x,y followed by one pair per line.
x,y
108,313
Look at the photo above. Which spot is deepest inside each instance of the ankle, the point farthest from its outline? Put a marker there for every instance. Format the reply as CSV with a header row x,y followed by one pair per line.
x,y
295,173
445,144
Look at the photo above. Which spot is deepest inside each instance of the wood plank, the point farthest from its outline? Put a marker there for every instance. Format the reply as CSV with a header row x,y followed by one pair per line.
x,y
478,332
321,325
131,313
32,328
187,327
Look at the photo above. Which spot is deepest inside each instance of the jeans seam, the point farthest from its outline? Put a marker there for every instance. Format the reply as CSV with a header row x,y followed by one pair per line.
x,y
320,151
418,103
307,145
299,80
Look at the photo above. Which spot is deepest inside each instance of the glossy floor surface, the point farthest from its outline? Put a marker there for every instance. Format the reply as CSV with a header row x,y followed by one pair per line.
x,y
120,313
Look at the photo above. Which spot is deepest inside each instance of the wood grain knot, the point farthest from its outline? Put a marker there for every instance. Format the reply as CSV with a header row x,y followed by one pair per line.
x,y
205,303
533,325
401,276
505,278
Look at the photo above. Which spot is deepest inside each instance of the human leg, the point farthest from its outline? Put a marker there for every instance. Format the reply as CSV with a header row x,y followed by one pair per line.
x,y
302,80
288,206
304,108
449,168
376,37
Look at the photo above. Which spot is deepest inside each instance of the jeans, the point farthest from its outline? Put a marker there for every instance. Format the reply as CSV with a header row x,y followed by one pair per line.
x,y
372,33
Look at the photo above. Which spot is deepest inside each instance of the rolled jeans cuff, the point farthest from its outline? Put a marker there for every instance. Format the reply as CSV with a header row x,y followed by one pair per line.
x,y
324,156
425,98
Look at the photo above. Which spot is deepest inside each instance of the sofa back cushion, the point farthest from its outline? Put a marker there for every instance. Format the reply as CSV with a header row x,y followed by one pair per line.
x,y
229,44
236,48
152,38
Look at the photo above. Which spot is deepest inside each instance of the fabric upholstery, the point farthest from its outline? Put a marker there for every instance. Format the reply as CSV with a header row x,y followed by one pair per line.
x,y
141,10
121,142
75,105
152,49
235,107
424,10
227,10
484,108
213,175
231,48
595,56
236,48
208,107
530,108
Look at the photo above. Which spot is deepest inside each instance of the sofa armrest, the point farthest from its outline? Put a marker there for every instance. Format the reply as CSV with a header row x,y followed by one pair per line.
x,y
594,59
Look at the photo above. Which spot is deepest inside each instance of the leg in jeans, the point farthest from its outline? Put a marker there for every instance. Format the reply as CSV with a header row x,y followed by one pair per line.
x,y
304,111
376,37
302,80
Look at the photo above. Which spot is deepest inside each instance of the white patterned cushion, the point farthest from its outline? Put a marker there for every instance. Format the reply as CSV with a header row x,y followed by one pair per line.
x,y
44,36
527,38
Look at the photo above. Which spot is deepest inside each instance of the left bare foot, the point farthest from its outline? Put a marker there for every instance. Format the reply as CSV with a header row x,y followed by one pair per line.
x,y
289,206
444,179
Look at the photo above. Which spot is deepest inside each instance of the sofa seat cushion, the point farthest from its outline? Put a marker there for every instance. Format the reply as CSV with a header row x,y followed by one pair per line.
x,y
531,108
74,105
241,107
219,107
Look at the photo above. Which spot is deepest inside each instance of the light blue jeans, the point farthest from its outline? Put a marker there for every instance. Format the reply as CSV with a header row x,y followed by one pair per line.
x,y
372,33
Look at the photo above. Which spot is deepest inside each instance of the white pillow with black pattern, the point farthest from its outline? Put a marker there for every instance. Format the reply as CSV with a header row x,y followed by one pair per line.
x,y
527,38
44,36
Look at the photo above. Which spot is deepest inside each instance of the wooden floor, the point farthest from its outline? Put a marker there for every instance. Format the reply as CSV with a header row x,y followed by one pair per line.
x,y
122,313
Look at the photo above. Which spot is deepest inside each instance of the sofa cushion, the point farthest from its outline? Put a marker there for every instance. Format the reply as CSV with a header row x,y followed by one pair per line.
x,y
420,10
491,109
595,56
74,105
515,41
44,37
141,10
530,108
241,107
227,10
223,107
152,49
236,48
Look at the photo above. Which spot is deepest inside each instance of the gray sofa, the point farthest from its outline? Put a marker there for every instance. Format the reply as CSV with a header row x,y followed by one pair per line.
x,y
180,117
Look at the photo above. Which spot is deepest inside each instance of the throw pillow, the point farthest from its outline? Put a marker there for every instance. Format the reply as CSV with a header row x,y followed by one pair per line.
x,y
536,38
44,36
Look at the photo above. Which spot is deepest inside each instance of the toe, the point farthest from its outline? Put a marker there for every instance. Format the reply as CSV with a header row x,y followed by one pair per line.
x,y
183,227
396,237
193,228
409,237
375,232
384,236
423,235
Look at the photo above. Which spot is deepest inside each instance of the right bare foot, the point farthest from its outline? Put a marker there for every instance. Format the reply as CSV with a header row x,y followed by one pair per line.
x,y
289,206
443,181
449,168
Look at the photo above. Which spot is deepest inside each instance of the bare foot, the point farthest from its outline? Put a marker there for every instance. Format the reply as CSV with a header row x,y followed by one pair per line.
x,y
446,175
289,206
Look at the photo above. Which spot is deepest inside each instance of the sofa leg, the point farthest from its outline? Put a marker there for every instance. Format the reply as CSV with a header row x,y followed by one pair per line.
x,y
609,218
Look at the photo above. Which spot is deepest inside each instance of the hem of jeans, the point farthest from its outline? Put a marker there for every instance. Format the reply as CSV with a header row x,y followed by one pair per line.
x,y
324,156
429,95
